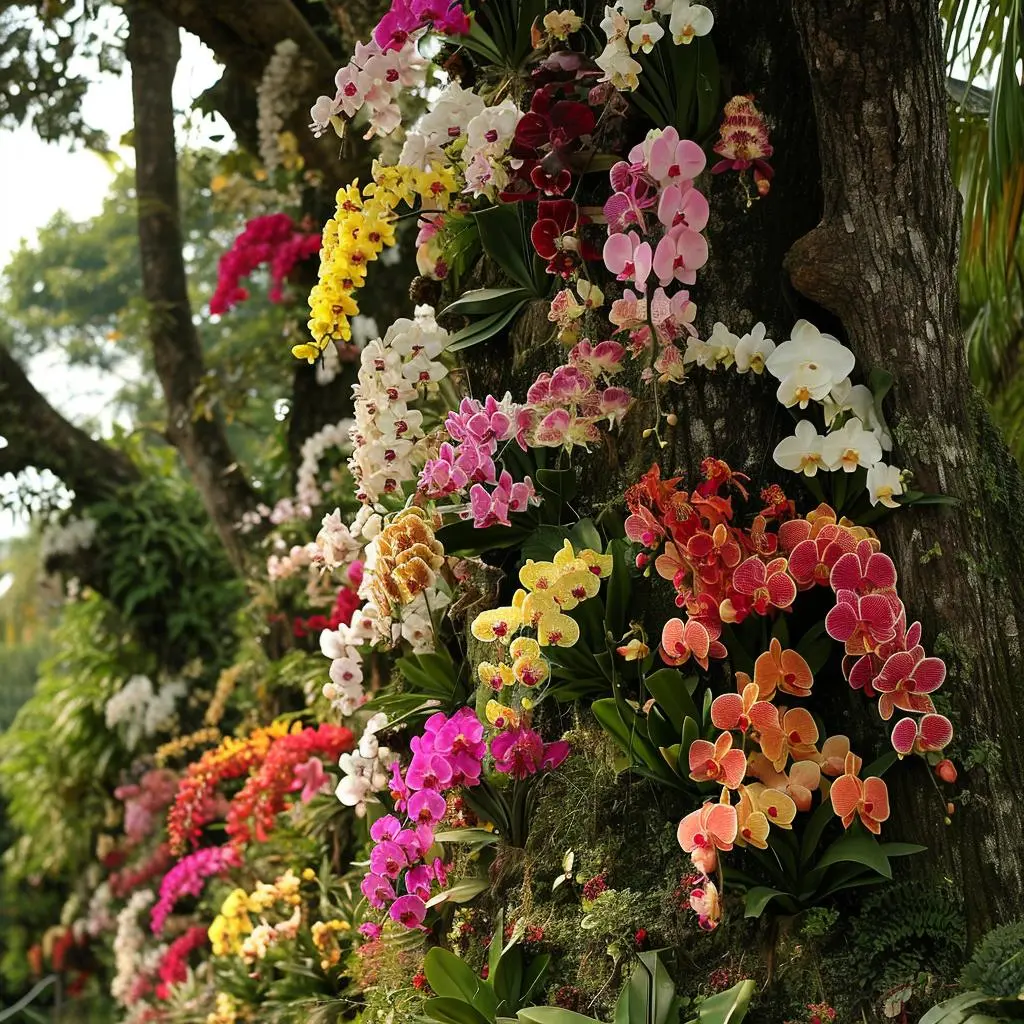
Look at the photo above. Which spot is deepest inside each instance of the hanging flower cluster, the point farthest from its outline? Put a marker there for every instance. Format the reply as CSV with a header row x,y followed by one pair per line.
x,y
173,967
196,803
374,78
394,372
292,762
448,755
274,240
631,26
188,878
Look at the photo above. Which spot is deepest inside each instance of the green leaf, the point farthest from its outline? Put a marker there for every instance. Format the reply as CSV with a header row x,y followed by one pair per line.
x,y
616,601
814,828
708,82
668,687
728,1007
508,977
534,975
503,240
452,978
461,892
857,848
466,835
496,948
955,1010
758,898
432,674
450,1010
553,1015
902,849
485,328
479,301
648,997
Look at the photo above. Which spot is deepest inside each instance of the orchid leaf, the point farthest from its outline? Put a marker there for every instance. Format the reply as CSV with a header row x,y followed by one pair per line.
x,y
479,301
728,1007
452,978
449,1010
859,848
668,687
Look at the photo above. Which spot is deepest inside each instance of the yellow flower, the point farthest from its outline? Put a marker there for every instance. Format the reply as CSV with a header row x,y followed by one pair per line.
x,y
308,874
561,24
557,630
538,575
497,624
524,647
530,671
536,605
597,563
575,586
435,186
635,650
307,350
500,715
497,677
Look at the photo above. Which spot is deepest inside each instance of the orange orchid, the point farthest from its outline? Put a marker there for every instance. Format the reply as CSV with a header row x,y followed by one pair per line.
x,y
745,709
832,758
796,738
783,670
853,797
800,784
682,640
711,826
717,762
758,809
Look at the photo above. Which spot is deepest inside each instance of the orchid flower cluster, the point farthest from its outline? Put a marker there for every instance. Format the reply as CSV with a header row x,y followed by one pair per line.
x,y
367,769
233,933
143,709
394,371
449,755
374,78
813,367
362,227
272,239
188,877
631,26
743,143
550,589
291,764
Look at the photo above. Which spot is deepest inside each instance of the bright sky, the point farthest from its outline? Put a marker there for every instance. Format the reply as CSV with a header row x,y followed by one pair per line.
x,y
37,179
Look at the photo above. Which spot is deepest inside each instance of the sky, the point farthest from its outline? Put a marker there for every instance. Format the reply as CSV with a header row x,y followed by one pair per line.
x,y
37,179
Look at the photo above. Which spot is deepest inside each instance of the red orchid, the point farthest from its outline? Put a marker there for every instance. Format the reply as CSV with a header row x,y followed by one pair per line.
x,y
863,571
932,733
862,623
768,585
906,679
553,235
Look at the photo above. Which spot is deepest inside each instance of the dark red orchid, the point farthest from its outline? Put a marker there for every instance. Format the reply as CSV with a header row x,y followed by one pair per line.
x,y
553,233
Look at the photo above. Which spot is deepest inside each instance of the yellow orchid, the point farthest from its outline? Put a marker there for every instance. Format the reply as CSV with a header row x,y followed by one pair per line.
x,y
500,715
538,575
497,677
575,586
557,630
497,624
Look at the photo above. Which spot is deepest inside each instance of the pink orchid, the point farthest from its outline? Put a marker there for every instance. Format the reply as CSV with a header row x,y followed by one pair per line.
x,y
683,206
906,679
629,258
767,585
409,911
311,778
713,825
642,527
673,160
932,733
604,358
862,623
679,255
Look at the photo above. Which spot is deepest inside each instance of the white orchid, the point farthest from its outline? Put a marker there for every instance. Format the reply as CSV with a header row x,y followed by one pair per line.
x,y
851,446
809,365
802,452
884,484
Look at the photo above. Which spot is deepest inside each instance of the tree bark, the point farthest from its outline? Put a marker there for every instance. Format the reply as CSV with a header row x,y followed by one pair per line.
x,y
884,259
38,437
153,51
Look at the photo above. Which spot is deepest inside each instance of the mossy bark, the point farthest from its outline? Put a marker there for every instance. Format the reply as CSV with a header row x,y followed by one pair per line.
x,y
860,235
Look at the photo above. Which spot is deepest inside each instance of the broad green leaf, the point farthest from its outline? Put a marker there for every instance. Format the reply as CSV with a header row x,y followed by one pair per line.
x,y
667,686
484,328
507,978
452,1010
452,978
728,1007
857,848
461,892
534,975
553,1015
758,898
480,301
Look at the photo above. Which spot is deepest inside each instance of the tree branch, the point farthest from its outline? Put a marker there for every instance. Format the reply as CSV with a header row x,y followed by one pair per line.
x,y
153,51
38,437
243,37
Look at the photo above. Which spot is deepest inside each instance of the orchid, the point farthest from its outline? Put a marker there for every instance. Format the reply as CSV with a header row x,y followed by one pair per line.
x,y
853,797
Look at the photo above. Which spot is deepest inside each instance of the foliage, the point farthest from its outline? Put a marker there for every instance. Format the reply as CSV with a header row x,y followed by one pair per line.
x,y
997,966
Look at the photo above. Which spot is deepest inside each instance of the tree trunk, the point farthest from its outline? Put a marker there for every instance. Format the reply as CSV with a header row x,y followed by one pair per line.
x,y
153,50
854,91
884,259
